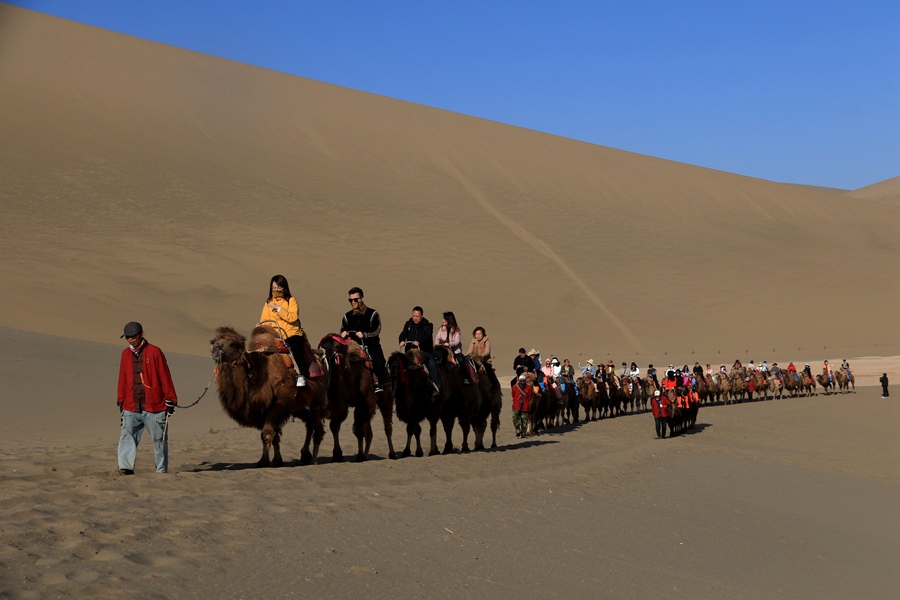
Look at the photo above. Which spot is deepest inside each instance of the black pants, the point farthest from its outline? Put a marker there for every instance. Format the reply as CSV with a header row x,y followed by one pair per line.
x,y
299,349
884,390
661,427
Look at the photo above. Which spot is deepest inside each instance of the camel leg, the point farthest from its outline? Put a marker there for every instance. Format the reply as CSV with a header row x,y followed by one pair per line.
x,y
363,433
305,455
410,431
466,427
418,433
495,425
266,435
480,428
369,436
433,431
277,461
337,455
448,433
387,415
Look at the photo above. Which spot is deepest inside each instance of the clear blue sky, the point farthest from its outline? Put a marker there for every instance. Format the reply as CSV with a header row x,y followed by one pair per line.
x,y
800,91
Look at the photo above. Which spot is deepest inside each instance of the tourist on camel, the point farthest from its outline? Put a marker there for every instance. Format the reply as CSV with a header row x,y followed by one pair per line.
x,y
418,332
480,349
282,314
449,335
364,323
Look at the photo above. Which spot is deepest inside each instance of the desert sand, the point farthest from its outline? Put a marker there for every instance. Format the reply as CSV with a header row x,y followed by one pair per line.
x,y
145,182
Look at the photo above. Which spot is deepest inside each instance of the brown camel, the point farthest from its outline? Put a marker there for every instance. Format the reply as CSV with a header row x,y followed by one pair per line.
x,y
828,383
352,387
491,404
449,402
412,392
808,384
844,381
791,382
588,397
257,389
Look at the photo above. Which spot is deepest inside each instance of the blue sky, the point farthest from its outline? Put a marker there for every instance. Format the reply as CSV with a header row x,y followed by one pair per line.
x,y
792,90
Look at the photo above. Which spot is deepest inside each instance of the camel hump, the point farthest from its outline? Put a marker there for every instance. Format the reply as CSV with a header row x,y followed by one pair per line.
x,y
263,336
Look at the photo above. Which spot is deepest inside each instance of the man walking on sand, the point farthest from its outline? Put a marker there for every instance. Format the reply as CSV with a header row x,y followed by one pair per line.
x,y
146,399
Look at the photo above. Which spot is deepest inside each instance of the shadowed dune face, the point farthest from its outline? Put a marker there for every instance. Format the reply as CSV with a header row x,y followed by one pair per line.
x,y
152,183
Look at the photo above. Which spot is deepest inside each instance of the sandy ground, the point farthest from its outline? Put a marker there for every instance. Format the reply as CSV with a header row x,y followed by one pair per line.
x,y
791,498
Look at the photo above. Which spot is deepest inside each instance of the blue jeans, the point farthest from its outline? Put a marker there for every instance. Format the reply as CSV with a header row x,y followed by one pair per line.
x,y
132,426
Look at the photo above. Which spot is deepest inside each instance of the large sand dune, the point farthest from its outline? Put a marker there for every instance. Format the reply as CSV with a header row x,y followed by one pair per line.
x,y
152,183
146,182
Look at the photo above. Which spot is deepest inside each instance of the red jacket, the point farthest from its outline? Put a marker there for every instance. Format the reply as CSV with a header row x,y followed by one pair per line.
x,y
661,406
521,398
158,386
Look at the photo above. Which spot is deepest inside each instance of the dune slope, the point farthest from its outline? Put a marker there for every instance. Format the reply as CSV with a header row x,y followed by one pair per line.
x,y
152,183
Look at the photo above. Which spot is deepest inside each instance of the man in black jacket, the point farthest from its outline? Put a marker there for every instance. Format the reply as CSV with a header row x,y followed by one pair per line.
x,y
364,325
522,363
419,332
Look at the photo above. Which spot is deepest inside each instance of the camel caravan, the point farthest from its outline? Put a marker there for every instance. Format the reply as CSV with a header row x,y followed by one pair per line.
x,y
277,376
258,387
557,398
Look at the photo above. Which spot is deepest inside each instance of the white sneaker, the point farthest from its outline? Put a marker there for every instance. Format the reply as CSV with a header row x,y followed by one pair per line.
x,y
301,381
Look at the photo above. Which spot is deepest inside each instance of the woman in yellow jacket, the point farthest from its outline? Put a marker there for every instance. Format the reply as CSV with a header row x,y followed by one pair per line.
x,y
281,308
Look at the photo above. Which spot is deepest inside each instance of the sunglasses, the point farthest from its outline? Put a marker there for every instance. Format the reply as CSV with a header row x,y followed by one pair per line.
x,y
352,300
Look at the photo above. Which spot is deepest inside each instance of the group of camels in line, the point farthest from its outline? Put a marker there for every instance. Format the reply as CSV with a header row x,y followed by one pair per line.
x,y
608,395
257,388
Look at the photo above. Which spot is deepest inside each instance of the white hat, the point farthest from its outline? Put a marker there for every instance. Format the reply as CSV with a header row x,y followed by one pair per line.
x,y
521,378
591,361
656,393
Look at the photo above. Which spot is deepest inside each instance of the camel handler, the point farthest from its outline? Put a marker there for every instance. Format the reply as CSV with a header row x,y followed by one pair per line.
x,y
522,394
146,399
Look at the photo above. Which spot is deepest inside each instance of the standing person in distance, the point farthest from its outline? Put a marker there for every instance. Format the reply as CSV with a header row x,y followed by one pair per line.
x,y
281,307
662,408
883,380
522,395
146,397
364,324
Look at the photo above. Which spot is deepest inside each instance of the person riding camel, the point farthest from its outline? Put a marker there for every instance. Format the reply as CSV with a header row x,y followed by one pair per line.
x,y
449,336
826,370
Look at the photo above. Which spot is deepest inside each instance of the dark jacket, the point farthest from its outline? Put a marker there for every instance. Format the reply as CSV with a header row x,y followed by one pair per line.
x,y
369,323
522,364
422,332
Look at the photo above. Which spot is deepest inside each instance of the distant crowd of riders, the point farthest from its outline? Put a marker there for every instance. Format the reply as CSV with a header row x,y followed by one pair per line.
x,y
546,393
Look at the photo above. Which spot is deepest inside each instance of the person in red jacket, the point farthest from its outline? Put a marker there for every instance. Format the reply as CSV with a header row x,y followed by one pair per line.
x,y
662,408
146,398
522,394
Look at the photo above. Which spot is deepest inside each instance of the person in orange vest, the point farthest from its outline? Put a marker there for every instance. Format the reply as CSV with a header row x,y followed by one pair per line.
x,y
662,408
826,370
522,394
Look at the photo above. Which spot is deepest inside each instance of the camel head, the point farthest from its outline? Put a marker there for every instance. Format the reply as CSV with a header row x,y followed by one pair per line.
x,y
227,346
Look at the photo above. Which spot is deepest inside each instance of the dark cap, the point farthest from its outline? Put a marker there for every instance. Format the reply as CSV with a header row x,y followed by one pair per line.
x,y
522,350
132,329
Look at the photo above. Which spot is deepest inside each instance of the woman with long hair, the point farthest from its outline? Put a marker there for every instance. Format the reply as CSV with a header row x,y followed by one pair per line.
x,y
449,335
282,313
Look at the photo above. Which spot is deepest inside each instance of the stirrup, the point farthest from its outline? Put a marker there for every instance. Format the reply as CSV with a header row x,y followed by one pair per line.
x,y
301,381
